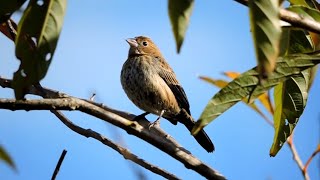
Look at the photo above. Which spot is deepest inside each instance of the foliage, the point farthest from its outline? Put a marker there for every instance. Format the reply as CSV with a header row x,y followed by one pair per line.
x,y
286,58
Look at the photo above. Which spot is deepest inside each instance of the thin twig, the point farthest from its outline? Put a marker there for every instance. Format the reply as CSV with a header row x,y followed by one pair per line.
x,y
310,158
121,150
296,157
56,170
294,19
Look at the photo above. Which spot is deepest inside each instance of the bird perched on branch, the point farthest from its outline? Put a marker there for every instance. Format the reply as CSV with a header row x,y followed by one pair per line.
x,y
151,84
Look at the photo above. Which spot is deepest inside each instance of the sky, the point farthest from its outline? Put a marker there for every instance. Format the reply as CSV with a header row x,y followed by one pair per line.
x,y
89,58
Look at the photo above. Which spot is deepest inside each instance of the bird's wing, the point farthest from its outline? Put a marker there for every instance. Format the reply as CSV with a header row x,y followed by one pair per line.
x,y
167,74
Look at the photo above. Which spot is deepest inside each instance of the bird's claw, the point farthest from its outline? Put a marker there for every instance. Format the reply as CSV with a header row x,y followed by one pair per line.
x,y
157,122
154,124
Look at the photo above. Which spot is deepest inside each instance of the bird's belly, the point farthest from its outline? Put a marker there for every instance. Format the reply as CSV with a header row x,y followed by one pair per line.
x,y
147,90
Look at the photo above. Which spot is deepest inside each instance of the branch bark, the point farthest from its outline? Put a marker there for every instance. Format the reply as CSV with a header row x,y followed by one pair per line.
x,y
294,19
140,128
121,150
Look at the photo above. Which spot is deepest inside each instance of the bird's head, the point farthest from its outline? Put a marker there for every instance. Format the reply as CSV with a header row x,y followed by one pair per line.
x,y
142,46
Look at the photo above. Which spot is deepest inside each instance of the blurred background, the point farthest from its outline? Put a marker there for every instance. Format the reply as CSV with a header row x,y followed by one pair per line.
x,y
89,58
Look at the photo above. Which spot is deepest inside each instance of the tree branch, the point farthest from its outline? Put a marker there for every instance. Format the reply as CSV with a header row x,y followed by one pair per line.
x,y
294,19
139,128
121,150
56,170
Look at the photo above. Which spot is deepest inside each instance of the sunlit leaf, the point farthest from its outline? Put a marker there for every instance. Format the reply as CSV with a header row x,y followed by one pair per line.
x,y
179,13
248,82
4,156
38,33
222,83
266,33
299,2
310,13
231,75
265,101
290,99
263,98
219,83
7,7
314,14
291,95
306,12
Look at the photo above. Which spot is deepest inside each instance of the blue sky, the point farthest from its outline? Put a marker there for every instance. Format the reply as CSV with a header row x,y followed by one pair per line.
x,y
88,59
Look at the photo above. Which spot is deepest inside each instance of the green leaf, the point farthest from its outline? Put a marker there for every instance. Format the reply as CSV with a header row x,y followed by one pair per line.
x,y
266,33
222,83
313,4
282,127
7,7
248,82
295,41
38,33
290,99
306,3
311,14
306,12
179,13
299,2
291,95
4,156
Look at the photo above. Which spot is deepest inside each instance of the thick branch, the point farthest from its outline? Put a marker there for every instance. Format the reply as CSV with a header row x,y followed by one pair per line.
x,y
294,19
139,128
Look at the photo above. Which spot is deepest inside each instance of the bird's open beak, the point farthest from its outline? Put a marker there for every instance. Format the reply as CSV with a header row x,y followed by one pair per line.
x,y
132,42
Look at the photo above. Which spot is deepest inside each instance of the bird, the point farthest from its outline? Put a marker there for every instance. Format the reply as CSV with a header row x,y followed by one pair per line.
x,y
151,84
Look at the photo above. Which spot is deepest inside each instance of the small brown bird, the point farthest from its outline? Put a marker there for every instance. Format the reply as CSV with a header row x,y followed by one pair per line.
x,y
151,84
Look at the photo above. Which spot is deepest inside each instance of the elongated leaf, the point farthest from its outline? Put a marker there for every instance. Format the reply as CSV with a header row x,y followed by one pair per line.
x,y
313,4
291,95
299,2
266,102
314,14
305,3
179,13
266,33
281,126
306,12
38,33
248,82
290,99
7,7
4,156
231,75
297,40
221,84
217,82
263,98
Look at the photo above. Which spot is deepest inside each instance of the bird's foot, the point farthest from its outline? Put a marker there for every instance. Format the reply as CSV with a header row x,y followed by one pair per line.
x,y
156,122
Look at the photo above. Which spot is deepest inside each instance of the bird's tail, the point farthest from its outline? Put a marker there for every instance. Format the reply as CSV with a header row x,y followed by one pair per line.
x,y
202,137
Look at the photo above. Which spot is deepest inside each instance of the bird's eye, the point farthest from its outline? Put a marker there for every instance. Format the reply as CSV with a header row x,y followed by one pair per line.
x,y
144,43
